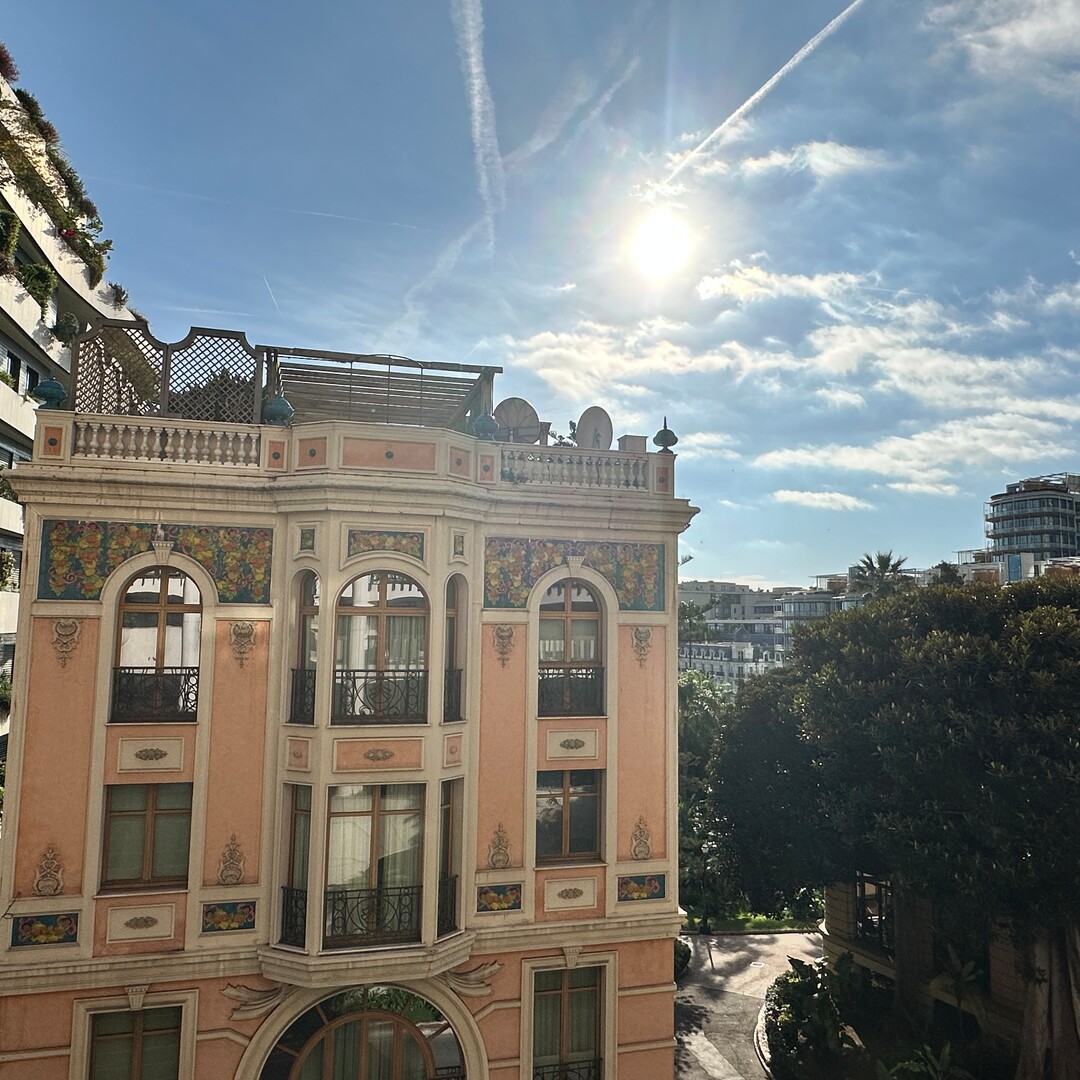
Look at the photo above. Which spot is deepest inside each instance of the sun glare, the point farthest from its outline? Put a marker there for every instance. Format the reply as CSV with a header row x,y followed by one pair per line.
x,y
661,244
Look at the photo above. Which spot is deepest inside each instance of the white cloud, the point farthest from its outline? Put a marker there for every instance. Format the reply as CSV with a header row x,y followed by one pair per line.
x,y
915,487
822,500
707,444
748,284
836,397
823,160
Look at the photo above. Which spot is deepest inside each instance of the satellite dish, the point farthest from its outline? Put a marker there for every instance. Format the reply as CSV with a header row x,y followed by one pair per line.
x,y
517,420
594,429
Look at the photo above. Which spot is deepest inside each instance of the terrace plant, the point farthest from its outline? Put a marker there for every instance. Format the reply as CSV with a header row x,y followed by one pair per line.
x,y
39,280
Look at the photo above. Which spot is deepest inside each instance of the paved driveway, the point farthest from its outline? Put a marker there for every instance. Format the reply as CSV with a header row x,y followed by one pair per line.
x,y
719,998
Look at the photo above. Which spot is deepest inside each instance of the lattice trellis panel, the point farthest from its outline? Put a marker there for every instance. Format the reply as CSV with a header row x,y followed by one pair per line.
x,y
213,377
118,370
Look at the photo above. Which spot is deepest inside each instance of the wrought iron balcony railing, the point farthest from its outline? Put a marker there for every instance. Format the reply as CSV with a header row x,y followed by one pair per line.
x,y
293,916
570,1070
154,695
571,691
379,697
302,698
383,916
448,897
452,695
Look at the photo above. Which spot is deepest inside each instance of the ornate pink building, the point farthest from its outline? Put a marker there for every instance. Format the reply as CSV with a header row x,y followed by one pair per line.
x,y
339,749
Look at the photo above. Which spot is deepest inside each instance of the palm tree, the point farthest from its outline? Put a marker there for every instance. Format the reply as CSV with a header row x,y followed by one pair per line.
x,y
879,575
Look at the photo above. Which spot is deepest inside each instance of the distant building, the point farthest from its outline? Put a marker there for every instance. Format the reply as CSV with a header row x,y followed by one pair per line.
x,y
1037,516
728,663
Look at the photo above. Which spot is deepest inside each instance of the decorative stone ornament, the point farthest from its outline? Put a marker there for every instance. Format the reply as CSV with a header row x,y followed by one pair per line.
x,y
575,563
242,639
255,1003
504,642
49,875
572,744
640,841
573,893
231,866
136,995
642,643
162,545
151,753
499,849
65,638
141,922
474,983
378,753
572,954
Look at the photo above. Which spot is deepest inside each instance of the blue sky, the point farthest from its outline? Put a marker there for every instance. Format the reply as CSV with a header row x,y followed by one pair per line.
x,y
874,323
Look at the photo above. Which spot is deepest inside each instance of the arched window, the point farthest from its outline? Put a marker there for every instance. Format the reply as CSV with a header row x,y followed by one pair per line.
x,y
376,1031
381,651
302,704
571,667
455,649
156,677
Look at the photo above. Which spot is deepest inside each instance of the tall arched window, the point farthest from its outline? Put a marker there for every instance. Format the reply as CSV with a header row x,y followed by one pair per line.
x,y
302,703
571,666
381,651
156,677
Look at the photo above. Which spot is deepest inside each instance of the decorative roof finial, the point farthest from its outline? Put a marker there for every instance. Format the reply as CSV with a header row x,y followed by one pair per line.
x,y
665,438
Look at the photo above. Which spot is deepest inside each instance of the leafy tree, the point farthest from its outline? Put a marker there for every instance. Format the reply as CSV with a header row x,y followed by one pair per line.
x,y
945,573
692,625
943,743
879,575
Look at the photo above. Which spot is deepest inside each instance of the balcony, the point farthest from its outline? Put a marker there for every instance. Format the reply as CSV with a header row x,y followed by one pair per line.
x,y
293,916
379,697
452,695
154,695
570,1070
358,917
448,898
571,691
302,697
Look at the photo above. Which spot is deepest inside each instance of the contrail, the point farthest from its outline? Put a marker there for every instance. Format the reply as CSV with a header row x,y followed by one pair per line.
x,y
754,98
468,20
271,292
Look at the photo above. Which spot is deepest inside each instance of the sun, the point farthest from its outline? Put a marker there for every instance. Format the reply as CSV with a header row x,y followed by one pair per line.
x,y
662,243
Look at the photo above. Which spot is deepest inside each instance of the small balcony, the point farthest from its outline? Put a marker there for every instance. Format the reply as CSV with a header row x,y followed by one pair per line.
x,y
448,903
358,917
302,696
379,697
452,696
293,916
570,1070
154,695
571,691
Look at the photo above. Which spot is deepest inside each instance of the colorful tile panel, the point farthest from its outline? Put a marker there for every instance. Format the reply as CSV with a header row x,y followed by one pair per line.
x,y
362,541
45,929
498,898
77,557
228,915
512,565
307,539
642,887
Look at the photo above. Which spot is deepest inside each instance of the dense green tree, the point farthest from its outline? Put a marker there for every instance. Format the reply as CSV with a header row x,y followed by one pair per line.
x,y
692,625
942,732
945,573
879,575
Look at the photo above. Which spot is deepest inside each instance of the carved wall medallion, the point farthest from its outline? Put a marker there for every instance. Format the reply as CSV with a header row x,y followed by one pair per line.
x,y
378,753
49,875
570,894
242,639
642,643
255,1003
136,995
572,953
572,744
499,849
504,642
141,922
65,638
231,865
640,841
151,753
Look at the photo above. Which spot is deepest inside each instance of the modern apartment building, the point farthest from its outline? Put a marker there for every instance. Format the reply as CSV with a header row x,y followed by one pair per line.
x,y
1037,516
342,748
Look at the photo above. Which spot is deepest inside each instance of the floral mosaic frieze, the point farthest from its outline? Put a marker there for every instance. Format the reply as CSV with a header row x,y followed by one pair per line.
x,y
642,887
361,541
512,565
77,556
45,929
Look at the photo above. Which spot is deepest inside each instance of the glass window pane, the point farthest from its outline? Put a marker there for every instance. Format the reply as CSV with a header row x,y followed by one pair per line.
x,y
351,798
583,824
582,1040
113,1023
181,639
138,639
171,833
549,826
111,1058
549,781
145,589
583,780
159,1019
399,850
380,1050
412,1059
548,980
555,597
361,592
349,855
346,1050
546,1029
401,796
173,797
552,641
161,1056
124,861
585,639
582,599
404,645
127,797
584,977
357,643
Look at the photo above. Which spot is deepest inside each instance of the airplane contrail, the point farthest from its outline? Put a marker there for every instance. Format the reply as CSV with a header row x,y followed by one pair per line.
x,y
468,20
754,98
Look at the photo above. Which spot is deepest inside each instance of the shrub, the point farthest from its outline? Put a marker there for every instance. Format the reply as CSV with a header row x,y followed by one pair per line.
x,y
67,326
39,280
118,295
5,689
682,956
10,226
924,1064
7,379
7,65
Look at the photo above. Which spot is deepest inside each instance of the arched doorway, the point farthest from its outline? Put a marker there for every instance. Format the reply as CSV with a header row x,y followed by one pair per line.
x,y
368,1033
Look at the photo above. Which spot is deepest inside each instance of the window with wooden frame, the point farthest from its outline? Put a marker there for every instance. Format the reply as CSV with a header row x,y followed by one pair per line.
x,y
302,699
454,649
571,672
567,815
147,832
566,1024
143,1045
294,891
156,676
381,651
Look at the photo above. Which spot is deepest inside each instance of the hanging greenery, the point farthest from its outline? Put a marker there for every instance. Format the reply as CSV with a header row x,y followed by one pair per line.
x,y
10,225
67,326
39,280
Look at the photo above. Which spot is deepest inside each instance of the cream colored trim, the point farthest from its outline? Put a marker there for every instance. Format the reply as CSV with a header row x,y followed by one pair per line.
x,y
223,1033
84,1009
496,1006
656,1044
34,1055
644,991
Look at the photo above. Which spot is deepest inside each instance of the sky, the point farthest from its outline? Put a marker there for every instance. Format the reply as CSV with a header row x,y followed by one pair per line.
x,y
837,246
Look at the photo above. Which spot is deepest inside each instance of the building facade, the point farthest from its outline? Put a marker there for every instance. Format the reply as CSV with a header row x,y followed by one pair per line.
x,y
1036,516
339,749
